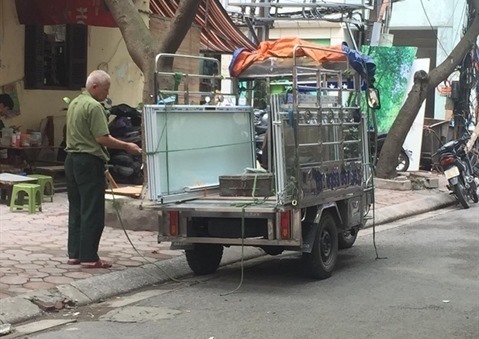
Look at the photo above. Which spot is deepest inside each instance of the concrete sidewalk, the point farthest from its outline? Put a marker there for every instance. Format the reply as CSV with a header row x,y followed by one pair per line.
x,y
34,276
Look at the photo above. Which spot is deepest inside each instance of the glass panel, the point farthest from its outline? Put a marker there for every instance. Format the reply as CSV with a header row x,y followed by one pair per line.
x,y
195,146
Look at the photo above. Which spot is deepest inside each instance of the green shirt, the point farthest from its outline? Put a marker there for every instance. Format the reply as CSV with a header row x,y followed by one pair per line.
x,y
86,120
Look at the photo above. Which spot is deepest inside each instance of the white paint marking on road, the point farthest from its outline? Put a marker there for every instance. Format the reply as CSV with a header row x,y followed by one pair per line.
x,y
139,314
130,299
41,325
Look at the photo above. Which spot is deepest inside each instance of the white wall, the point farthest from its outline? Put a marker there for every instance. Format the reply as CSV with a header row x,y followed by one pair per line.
x,y
448,17
106,50
308,30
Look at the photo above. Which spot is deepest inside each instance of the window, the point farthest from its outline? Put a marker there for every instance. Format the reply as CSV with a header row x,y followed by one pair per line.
x,y
55,56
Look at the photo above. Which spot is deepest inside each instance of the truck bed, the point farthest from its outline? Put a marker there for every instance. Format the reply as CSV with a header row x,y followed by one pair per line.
x,y
215,203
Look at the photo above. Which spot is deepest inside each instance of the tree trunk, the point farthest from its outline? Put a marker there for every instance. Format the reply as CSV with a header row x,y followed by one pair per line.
x,y
386,167
179,27
141,44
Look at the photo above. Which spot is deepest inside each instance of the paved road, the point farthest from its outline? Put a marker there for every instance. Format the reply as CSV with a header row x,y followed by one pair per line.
x,y
425,286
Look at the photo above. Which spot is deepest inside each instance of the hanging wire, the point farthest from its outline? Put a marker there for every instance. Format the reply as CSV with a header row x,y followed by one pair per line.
x,y
207,11
432,28
117,211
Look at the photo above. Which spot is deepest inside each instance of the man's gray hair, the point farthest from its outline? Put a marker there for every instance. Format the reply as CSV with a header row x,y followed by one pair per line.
x,y
97,77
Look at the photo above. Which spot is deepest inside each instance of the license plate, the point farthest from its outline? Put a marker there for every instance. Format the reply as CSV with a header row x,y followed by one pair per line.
x,y
452,172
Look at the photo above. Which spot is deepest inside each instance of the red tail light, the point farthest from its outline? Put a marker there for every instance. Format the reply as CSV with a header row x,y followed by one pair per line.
x,y
174,217
285,225
446,161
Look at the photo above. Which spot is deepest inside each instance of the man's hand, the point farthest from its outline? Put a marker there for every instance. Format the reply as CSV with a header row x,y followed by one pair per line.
x,y
111,142
133,149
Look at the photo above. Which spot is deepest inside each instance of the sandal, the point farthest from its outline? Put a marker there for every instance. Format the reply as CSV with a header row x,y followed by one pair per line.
x,y
96,264
73,262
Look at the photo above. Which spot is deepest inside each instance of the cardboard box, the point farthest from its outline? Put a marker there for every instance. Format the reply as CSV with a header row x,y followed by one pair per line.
x,y
247,185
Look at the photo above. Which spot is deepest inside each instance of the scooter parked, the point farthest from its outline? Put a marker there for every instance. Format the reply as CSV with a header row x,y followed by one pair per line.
x,y
260,128
403,156
461,169
126,126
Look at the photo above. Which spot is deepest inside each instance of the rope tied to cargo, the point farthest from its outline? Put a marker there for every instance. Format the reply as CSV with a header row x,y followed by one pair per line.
x,y
243,206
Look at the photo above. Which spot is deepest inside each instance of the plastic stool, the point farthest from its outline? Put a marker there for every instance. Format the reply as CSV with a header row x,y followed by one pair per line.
x,y
46,185
32,192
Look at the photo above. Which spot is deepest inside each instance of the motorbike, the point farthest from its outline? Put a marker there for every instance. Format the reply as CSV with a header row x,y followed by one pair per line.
x,y
461,169
403,157
260,128
126,126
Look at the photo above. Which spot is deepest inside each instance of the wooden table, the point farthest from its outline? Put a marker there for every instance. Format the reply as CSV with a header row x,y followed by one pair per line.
x,y
29,153
7,180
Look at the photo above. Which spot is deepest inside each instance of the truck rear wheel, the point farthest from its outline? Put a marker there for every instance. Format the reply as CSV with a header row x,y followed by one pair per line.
x,y
322,259
204,258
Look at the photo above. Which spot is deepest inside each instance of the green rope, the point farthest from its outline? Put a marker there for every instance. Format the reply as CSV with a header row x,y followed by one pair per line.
x,y
196,148
178,76
243,211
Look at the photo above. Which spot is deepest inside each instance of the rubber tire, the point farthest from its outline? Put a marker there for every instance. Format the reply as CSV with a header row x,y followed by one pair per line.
x,y
204,258
403,160
459,191
323,257
473,193
346,239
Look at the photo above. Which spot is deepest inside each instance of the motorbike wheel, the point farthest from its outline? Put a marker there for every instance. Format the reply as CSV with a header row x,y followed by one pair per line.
x,y
403,161
473,193
460,192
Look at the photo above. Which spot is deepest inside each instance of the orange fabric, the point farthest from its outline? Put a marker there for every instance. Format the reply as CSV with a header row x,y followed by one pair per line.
x,y
283,48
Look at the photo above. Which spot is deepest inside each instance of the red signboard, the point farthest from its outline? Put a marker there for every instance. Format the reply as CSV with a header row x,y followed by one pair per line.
x,y
60,12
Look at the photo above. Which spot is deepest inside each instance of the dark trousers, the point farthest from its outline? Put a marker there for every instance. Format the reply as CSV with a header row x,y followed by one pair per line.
x,y
85,177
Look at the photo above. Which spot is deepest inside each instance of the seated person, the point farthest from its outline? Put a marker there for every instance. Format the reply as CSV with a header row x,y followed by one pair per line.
x,y
6,105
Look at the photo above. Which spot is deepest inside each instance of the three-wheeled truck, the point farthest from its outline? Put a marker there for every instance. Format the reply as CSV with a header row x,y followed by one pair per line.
x,y
203,178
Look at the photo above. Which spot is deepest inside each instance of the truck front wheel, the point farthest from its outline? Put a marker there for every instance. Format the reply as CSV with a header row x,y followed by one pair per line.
x,y
204,258
347,238
322,259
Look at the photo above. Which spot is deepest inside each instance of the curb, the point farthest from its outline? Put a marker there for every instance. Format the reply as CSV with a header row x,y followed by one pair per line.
x,y
408,209
18,309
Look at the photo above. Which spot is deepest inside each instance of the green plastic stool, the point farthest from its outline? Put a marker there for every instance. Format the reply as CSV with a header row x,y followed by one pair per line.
x,y
25,191
46,185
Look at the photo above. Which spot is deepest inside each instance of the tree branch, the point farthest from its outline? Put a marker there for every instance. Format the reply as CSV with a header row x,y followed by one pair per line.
x,y
135,32
179,27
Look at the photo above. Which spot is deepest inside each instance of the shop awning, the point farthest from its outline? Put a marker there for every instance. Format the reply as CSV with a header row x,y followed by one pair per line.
x,y
218,32
62,12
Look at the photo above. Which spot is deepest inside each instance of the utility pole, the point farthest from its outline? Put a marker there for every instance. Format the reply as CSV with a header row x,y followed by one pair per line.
x,y
263,28
380,30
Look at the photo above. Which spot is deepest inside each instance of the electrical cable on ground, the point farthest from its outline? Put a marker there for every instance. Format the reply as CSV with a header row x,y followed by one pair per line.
x,y
374,229
242,258
373,168
115,207
243,209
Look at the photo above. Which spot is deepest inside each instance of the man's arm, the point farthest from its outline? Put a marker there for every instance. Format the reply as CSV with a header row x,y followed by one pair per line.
x,y
111,142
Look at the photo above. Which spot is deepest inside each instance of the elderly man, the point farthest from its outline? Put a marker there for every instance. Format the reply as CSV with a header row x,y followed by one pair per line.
x,y
87,139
